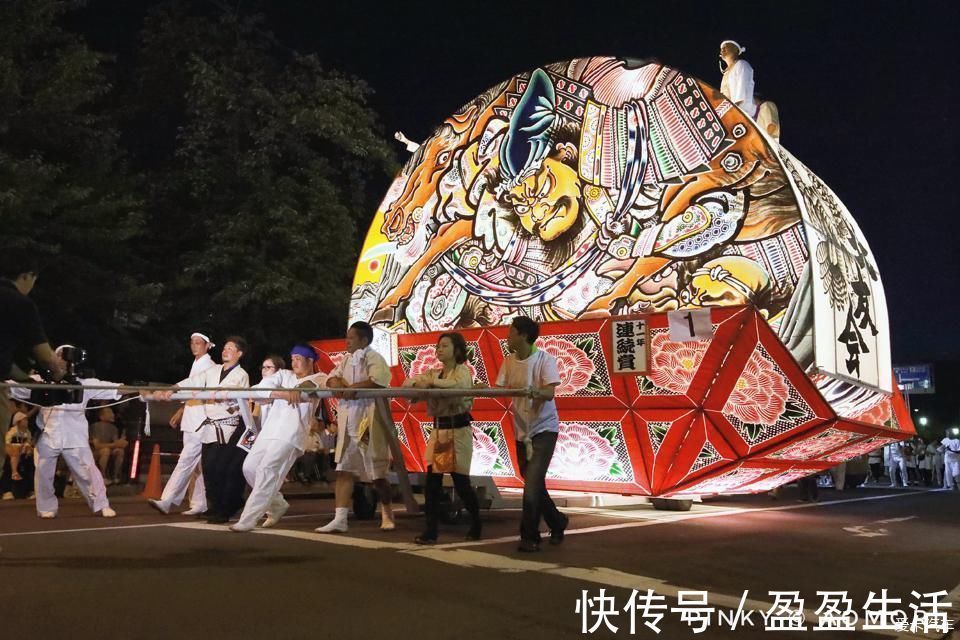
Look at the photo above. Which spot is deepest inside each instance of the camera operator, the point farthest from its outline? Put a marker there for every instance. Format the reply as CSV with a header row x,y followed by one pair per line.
x,y
21,331
65,432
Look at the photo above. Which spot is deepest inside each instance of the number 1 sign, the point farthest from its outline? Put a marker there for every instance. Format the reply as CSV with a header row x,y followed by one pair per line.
x,y
690,325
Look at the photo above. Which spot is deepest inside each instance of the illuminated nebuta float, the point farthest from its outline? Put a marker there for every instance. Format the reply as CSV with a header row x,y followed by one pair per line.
x,y
589,193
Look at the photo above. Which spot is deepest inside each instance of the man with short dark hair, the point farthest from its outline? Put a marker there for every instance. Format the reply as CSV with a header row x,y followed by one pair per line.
x,y
537,425
107,444
363,445
20,326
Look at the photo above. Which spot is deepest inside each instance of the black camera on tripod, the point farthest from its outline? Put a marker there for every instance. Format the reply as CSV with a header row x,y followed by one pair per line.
x,y
73,357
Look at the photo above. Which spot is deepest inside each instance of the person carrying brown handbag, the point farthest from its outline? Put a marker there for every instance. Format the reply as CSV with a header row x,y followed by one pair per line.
x,y
450,446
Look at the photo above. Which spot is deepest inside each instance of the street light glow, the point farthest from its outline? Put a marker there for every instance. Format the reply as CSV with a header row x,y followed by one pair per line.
x,y
923,421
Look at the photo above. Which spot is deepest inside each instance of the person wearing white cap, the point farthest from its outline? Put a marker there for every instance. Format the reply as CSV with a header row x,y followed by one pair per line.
x,y
66,433
737,83
281,440
188,419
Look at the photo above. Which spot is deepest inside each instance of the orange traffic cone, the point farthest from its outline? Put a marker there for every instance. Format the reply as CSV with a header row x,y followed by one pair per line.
x,y
154,487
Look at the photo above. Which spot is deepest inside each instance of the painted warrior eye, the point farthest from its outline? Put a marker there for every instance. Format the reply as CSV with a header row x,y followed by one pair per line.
x,y
522,209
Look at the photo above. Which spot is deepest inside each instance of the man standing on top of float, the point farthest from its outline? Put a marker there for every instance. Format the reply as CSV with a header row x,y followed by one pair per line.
x,y
737,83
188,419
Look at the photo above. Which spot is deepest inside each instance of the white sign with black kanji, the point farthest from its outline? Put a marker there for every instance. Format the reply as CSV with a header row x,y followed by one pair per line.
x,y
630,342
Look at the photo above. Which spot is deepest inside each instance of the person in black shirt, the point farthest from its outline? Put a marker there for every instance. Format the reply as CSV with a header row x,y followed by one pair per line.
x,y
20,327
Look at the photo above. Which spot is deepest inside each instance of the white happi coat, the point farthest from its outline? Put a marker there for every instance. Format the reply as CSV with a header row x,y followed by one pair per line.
x,y
281,441
188,464
737,86
363,364
193,413
237,378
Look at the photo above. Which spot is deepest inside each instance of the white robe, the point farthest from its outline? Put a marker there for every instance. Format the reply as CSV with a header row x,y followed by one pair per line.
x,y
280,442
188,463
737,86
368,460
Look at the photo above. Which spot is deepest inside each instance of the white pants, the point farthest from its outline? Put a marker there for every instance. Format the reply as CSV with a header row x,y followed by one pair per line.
x,y
951,473
892,470
86,477
265,468
187,466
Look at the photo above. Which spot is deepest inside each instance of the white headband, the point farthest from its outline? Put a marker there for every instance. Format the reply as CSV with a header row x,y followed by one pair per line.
x,y
197,334
736,44
62,347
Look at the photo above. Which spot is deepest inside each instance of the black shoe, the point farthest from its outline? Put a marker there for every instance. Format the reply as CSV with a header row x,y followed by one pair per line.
x,y
217,519
528,546
474,532
425,538
556,535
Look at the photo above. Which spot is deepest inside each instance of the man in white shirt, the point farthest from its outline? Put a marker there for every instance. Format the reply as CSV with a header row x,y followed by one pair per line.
x,y
737,83
896,461
188,419
281,439
363,445
950,446
537,425
66,433
220,457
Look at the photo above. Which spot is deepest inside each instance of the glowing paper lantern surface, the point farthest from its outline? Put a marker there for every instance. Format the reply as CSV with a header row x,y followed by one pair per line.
x,y
609,186
733,413
604,187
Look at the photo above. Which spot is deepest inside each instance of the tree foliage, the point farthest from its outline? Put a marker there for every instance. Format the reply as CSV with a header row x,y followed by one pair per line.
x,y
220,183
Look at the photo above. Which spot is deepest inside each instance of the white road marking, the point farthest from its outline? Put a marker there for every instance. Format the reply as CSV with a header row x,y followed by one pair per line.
x,y
866,531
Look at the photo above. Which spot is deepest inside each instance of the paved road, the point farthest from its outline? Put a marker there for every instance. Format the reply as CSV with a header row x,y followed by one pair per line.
x,y
143,575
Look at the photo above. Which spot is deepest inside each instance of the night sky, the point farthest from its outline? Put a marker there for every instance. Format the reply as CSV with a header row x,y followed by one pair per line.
x,y
866,91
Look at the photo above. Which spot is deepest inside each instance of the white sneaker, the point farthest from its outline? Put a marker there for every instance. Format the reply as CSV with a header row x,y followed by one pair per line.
x,y
194,511
241,528
46,515
107,512
334,526
8,495
273,518
159,506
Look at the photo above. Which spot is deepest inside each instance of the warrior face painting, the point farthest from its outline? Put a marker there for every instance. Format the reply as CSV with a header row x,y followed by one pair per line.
x,y
606,186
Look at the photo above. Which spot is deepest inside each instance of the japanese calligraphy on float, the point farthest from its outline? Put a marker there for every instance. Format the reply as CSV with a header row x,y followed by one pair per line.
x,y
615,201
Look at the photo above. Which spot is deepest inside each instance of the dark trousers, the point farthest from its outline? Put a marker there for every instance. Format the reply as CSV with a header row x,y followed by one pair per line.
x,y
434,498
223,475
809,489
876,470
536,500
